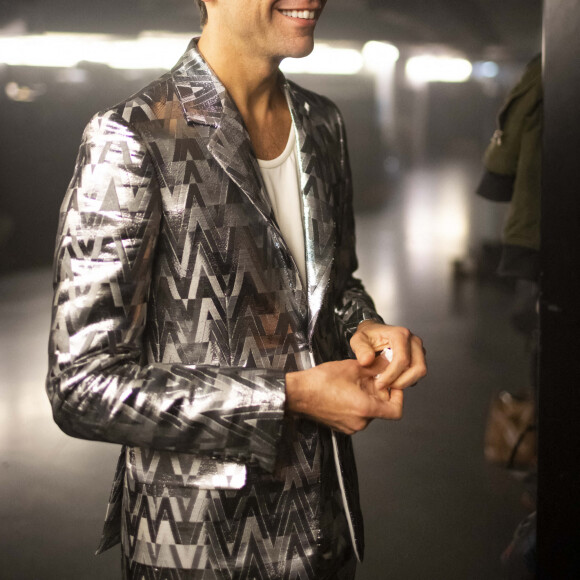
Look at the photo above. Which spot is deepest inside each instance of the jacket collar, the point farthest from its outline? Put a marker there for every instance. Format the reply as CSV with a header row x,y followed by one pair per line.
x,y
200,92
202,95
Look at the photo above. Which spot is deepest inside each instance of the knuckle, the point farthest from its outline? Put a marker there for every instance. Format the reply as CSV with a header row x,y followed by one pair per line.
x,y
357,420
405,332
403,363
359,424
397,414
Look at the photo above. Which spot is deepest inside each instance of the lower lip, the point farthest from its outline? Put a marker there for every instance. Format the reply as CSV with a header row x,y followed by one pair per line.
x,y
301,21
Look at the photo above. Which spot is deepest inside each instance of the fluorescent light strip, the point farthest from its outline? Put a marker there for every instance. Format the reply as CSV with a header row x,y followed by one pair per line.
x,y
325,60
429,68
68,50
158,51
154,50
379,55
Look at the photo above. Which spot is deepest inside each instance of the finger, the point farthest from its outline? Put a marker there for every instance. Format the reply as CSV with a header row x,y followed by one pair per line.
x,y
378,366
368,373
353,371
362,348
402,353
408,379
391,406
415,372
396,403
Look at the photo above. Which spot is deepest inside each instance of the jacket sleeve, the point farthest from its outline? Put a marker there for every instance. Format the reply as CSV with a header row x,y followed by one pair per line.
x,y
353,304
98,383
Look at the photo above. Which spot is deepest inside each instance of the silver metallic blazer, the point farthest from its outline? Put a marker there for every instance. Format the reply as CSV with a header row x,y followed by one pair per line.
x,y
178,307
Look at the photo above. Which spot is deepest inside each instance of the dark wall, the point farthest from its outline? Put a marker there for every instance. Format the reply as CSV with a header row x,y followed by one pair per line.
x,y
461,119
559,398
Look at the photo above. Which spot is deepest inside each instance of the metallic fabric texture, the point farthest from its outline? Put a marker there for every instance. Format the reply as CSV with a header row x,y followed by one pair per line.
x,y
177,312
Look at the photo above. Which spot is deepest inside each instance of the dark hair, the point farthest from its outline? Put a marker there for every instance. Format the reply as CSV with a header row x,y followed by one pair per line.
x,y
202,11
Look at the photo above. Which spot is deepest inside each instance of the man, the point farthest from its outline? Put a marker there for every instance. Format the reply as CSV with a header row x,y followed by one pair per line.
x,y
203,277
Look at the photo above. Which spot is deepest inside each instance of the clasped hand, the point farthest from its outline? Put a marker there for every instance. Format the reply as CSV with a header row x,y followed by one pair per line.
x,y
347,395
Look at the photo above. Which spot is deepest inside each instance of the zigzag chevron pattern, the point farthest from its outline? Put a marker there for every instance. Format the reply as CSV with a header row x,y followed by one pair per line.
x,y
269,529
178,310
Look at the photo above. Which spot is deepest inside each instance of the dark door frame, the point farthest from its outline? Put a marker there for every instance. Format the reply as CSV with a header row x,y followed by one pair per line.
x,y
559,370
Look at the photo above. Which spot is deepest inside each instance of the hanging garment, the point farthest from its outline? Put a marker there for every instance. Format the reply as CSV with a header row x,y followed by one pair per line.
x,y
513,163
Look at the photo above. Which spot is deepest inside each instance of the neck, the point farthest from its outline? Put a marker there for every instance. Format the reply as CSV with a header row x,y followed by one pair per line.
x,y
252,83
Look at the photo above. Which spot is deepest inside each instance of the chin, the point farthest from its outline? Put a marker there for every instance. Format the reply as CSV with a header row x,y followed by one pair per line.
x,y
299,48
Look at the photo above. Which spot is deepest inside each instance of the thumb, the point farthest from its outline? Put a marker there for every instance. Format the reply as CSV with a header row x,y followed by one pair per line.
x,y
396,404
391,403
362,348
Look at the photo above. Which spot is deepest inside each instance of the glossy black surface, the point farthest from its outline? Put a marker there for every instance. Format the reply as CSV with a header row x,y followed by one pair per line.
x,y
559,453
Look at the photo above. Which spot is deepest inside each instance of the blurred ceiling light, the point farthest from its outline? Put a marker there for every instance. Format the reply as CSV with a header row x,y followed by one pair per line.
x,y
379,55
428,68
148,51
23,94
145,52
325,60
72,76
151,50
49,50
486,70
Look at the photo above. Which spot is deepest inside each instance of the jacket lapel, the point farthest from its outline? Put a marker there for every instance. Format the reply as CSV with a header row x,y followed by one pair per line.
x,y
317,203
205,101
231,147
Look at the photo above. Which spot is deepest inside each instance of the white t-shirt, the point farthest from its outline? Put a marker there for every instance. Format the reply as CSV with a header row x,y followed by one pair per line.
x,y
282,179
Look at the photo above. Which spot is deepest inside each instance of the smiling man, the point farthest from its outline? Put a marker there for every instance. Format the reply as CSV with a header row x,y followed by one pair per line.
x,y
205,310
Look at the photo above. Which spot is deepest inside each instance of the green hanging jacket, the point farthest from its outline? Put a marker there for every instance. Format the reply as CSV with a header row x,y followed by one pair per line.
x,y
513,162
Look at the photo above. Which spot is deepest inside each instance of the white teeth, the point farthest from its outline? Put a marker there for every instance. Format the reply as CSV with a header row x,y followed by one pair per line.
x,y
303,14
